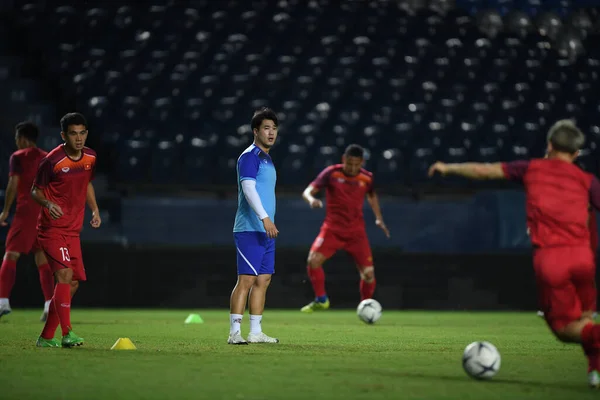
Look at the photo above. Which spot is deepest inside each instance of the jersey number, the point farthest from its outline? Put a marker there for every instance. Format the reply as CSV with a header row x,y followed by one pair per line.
x,y
65,254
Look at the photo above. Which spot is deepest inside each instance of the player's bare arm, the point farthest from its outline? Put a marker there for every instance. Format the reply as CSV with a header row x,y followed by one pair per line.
x,y
309,196
9,198
93,205
476,171
373,200
38,195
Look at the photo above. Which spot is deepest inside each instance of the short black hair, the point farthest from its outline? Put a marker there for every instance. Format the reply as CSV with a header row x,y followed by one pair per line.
x,y
566,137
72,119
354,150
262,114
28,130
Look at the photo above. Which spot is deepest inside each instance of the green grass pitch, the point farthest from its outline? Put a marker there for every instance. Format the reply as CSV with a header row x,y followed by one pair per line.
x,y
327,355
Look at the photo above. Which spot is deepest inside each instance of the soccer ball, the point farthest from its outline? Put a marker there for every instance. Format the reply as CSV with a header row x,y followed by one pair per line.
x,y
369,311
481,360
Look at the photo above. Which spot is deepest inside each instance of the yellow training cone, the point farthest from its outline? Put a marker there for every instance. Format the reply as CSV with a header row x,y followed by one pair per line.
x,y
123,344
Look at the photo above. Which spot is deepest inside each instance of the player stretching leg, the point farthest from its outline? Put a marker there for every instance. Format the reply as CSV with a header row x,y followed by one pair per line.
x,y
346,186
254,231
558,196
62,186
21,238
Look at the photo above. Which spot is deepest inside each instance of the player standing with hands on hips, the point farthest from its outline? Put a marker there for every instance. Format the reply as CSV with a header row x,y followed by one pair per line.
x,y
254,230
62,187
558,195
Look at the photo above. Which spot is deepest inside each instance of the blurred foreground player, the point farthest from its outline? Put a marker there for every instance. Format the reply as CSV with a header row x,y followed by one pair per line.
x,y
346,186
254,230
558,196
593,225
62,187
22,235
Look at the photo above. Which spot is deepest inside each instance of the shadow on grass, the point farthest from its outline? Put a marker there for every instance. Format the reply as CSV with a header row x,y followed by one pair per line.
x,y
575,386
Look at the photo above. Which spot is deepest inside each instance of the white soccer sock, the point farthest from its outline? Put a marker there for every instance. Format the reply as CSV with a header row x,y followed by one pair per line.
x,y
47,306
4,302
255,326
235,322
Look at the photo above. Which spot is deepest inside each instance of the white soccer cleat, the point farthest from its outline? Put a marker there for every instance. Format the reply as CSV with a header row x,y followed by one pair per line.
x,y
594,379
236,338
5,310
261,338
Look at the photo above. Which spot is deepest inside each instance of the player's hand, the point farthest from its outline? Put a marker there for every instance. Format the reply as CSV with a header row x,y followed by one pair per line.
x,y
316,203
96,220
440,167
270,228
384,228
3,218
55,211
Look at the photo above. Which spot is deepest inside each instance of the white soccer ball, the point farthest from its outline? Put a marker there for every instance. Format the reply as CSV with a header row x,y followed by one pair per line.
x,y
369,311
481,360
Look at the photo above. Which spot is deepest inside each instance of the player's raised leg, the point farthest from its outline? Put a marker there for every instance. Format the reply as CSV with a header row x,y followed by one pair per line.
x,y
567,296
8,273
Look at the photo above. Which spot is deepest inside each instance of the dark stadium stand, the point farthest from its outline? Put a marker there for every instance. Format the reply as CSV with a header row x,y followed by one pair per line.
x,y
171,89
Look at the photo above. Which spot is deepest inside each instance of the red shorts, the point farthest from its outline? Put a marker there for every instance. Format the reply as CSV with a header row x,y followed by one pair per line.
x,y
22,237
355,243
566,282
63,252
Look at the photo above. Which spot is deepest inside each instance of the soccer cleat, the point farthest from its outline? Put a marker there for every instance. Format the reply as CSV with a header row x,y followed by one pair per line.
x,y
41,342
236,338
261,338
71,340
315,306
594,379
5,310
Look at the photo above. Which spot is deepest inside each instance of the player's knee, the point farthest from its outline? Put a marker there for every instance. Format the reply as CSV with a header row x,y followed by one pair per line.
x,y
74,286
245,282
587,315
315,260
568,331
11,255
64,275
367,274
263,281
40,258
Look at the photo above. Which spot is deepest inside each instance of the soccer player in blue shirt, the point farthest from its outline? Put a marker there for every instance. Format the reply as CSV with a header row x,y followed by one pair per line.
x,y
254,230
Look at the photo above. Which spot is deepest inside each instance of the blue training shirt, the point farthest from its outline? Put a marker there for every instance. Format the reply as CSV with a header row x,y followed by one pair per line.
x,y
257,165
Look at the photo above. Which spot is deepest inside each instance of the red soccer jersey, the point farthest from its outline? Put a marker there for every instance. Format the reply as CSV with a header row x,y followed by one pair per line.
x,y
64,182
345,196
24,164
558,197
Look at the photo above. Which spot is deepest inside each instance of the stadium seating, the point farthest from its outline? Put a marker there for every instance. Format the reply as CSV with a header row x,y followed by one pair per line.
x,y
171,89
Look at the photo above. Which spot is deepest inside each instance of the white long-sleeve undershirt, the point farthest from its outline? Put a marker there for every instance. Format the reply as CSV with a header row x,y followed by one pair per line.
x,y
251,195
